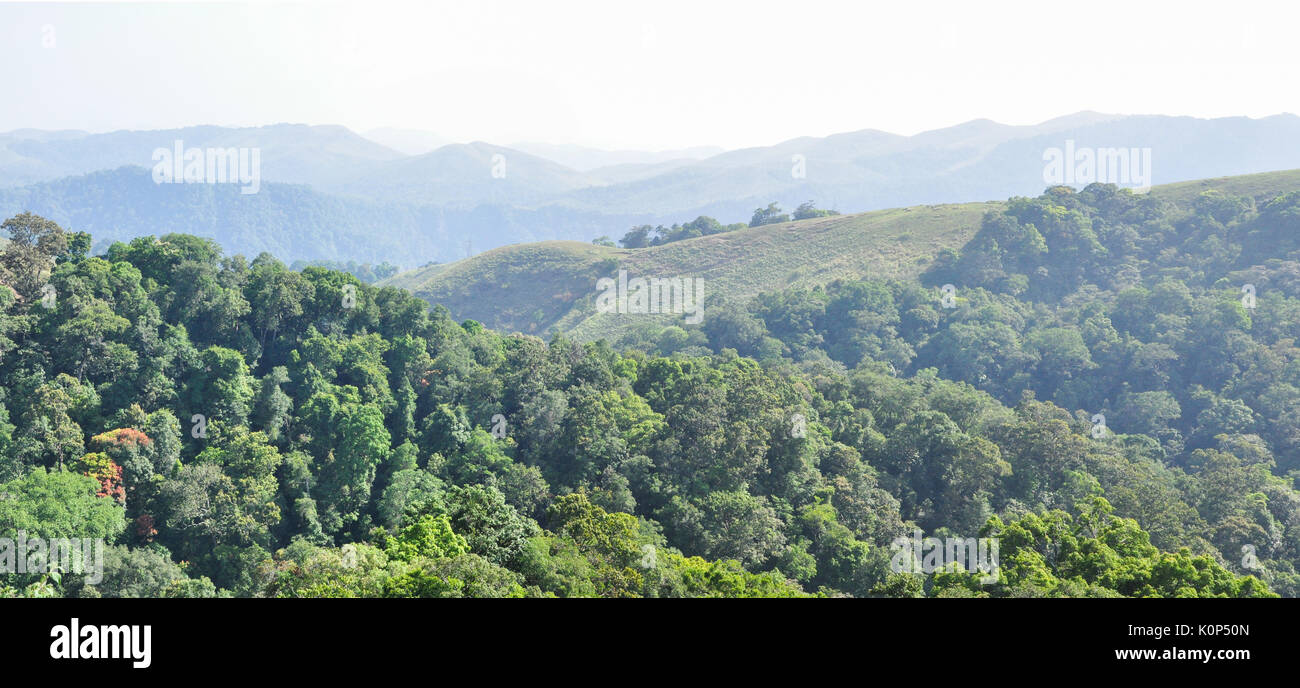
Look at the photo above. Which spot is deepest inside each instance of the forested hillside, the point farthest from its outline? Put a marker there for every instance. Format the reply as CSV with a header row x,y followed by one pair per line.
x,y
234,427
1169,330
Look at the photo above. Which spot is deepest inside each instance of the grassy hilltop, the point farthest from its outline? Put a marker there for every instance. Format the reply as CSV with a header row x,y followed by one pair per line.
x,y
535,287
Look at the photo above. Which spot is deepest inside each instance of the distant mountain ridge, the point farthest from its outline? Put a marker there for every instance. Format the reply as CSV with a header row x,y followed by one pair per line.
x,y
289,220
490,195
586,159
292,153
407,141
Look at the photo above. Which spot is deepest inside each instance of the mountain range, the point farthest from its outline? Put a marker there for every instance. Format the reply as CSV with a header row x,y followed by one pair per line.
x,y
411,198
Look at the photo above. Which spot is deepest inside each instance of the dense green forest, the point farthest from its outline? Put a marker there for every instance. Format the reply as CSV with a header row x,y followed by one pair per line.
x,y
1167,334
235,427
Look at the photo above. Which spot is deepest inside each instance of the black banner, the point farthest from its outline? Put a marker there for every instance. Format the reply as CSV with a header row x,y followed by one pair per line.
x,y
948,639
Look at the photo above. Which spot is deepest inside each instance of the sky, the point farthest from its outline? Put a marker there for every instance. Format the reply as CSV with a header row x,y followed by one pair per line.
x,y
644,75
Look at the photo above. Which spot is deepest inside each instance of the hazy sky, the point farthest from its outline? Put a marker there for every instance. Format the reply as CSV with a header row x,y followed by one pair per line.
x,y
648,75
